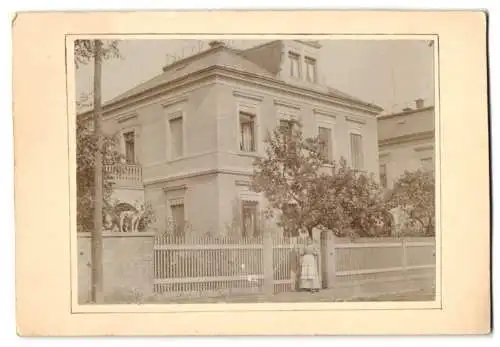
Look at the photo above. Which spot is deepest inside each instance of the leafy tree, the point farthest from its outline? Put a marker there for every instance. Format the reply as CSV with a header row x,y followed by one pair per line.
x,y
354,205
414,194
295,181
288,175
86,146
84,51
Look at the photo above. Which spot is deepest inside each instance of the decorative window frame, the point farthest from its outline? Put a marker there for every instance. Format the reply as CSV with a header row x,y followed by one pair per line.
x,y
425,152
356,132
299,58
174,109
326,119
245,194
286,110
355,126
136,131
250,104
175,196
315,68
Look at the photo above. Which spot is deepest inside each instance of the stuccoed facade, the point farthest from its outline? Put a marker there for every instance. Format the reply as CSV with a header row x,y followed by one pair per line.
x,y
194,130
406,142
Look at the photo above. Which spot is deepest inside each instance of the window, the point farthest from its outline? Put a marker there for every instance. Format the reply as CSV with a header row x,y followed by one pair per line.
x,y
247,132
325,142
249,219
310,69
129,140
176,136
427,164
178,217
383,175
286,125
357,151
294,64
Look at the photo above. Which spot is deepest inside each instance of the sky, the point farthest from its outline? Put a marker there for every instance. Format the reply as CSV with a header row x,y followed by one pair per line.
x,y
389,73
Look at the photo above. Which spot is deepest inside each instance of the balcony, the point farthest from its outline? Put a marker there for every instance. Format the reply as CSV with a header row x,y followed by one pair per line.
x,y
125,175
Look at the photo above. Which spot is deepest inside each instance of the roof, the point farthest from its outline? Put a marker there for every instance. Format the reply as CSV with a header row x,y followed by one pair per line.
x,y
218,55
417,121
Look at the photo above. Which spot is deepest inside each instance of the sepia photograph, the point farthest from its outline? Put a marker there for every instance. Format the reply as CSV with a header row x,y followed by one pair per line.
x,y
252,171
303,174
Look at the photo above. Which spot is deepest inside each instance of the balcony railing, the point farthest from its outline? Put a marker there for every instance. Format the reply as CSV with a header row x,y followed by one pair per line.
x,y
125,173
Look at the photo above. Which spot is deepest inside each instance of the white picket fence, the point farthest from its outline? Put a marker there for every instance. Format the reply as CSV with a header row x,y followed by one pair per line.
x,y
213,266
407,264
204,266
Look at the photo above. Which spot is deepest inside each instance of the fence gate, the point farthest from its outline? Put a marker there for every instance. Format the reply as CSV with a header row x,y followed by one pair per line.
x,y
204,266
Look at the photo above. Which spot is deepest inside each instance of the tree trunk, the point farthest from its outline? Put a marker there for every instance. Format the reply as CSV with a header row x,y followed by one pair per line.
x,y
97,247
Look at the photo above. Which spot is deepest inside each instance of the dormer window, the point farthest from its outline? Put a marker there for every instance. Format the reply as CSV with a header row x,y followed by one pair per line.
x,y
294,64
310,69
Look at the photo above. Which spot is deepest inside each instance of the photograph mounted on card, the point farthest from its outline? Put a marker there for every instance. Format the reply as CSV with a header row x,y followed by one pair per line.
x,y
253,174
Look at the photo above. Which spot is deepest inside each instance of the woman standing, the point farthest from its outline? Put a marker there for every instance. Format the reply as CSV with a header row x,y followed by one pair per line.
x,y
309,278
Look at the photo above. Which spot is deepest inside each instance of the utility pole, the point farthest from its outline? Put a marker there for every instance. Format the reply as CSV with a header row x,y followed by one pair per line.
x,y
97,247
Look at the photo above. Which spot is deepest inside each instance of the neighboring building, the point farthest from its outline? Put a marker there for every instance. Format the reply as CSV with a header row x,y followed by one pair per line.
x,y
190,134
406,142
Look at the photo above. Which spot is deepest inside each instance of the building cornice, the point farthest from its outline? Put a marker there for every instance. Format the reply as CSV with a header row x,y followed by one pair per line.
x,y
286,103
174,101
126,117
216,71
324,112
424,148
426,135
175,188
405,113
355,119
271,83
166,179
246,95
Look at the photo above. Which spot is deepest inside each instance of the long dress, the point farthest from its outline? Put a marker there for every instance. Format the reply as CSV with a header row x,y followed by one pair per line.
x,y
309,278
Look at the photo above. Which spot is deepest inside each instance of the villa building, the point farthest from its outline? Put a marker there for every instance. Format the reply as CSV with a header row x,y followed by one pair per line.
x,y
190,134
406,142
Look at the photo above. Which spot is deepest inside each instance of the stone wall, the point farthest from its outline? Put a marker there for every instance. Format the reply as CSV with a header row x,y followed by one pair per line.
x,y
127,266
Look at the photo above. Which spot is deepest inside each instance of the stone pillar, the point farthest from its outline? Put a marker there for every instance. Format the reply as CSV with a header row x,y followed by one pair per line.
x,y
328,259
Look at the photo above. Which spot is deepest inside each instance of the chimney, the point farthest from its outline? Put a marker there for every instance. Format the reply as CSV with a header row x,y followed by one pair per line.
x,y
419,103
216,43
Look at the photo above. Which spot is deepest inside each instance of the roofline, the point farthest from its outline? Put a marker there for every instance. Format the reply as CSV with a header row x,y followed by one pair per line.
x,y
404,113
192,57
216,70
374,109
259,46
310,43
423,135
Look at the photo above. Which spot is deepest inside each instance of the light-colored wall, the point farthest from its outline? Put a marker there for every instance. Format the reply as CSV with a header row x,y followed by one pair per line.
x,y
127,266
406,123
211,147
406,156
404,140
200,195
271,106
